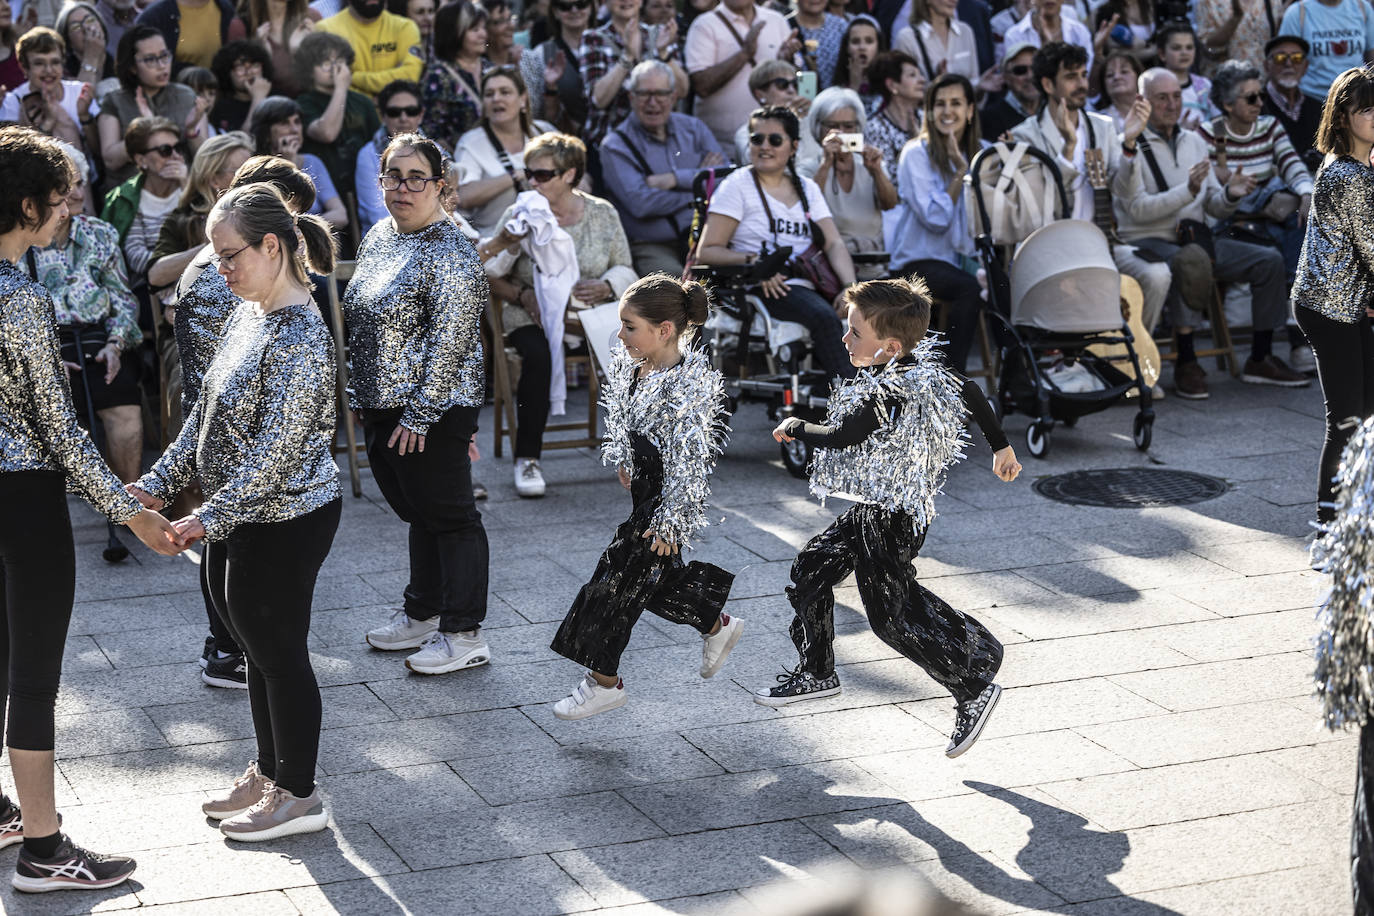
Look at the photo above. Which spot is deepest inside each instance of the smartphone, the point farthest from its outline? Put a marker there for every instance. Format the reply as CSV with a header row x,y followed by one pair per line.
x,y
806,84
852,143
33,105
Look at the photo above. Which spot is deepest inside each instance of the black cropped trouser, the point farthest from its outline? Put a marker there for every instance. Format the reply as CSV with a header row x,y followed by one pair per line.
x,y
1345,367
262,582
878,545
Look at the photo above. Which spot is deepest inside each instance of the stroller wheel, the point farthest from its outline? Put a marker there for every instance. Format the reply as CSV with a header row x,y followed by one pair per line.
x,y
1037,440
796,455
1143,431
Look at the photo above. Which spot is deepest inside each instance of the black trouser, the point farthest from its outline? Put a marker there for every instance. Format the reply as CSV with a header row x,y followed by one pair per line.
x,y
878,545
262,580
432,492
532,394
630,579
1362,827
223,639
37,587
962,295
1345,367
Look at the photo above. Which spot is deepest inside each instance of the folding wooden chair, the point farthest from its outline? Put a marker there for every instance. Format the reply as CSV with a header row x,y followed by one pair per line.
x,y
1223,348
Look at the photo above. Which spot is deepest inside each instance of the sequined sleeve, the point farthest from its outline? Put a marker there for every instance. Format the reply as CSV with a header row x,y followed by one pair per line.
x,y
457,292
30,337
298,378
615,397
171,473
694,405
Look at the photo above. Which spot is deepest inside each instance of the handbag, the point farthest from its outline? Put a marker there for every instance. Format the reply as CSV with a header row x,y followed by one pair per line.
x,y
1190,231
812,265
1020,196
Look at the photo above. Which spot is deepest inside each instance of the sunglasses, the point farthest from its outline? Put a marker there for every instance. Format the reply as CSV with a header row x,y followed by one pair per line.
x,y
540,176
782,84
1019,70
166,150
1283,58
409,111
774,140
573,5
1252,98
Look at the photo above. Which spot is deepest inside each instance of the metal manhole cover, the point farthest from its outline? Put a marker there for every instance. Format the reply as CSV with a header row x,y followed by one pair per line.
x,y
1131,488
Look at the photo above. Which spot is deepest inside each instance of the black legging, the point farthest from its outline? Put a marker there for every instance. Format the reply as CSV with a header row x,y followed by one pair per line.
x,y
37,587
961,294
532,395
1362,827
1345,366
262,580
432,492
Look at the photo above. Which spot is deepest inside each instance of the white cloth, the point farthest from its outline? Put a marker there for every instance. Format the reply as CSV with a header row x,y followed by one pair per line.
x,y
551,249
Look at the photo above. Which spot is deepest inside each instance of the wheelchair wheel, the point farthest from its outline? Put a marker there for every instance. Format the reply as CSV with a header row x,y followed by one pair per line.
x,y
796,455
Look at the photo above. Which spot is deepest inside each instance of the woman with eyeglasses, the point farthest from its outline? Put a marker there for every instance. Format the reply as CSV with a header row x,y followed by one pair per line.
x,y
143,64
855,184
88,59
138,207
555,164
259,439
452,79
277,131
931,234
769,206
553,67
863,41
774,82
491,156
898,119
414,311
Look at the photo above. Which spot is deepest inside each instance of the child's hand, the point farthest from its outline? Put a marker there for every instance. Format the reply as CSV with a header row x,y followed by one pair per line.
x,y
624,476
1005,465
780,433
661,547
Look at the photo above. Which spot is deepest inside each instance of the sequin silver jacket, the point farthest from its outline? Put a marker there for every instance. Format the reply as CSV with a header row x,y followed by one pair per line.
x,y
414,310
204,304
1336,267
259,435
38,426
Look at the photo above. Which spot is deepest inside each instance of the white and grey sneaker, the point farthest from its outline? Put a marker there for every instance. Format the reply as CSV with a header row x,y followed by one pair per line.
x,y
277,814
798,685
445,652
529,478
402,632
716,647
1301,359
589,698
970,718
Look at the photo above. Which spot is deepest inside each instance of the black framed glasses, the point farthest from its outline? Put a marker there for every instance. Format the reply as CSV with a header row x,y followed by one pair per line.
x,y
155,60
540,176
844,127
409,111
652,93
228,259
570,5
774,140
782,84
415,184
165,150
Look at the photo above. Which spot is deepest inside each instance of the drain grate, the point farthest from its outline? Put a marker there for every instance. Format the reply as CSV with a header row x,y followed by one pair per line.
x,y
1131,488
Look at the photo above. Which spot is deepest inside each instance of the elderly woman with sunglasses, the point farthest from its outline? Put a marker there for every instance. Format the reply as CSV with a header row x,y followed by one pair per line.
x,y
553,67
138,207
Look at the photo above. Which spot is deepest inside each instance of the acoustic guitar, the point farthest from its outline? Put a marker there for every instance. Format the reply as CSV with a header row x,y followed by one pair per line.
x,y
1132,299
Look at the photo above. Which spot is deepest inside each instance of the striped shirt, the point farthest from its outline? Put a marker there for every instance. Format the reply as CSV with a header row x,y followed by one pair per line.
x,y
1263,153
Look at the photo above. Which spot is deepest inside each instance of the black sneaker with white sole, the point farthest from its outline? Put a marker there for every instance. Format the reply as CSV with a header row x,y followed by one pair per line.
x,y
208,652
229,672
798,685
970,718
70,869
11,823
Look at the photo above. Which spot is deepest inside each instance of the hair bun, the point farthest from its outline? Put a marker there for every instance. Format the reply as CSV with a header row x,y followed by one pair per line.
x,y
697,302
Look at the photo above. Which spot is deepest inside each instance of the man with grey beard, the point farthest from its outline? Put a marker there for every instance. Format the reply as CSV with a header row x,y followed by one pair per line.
x,y
1285,61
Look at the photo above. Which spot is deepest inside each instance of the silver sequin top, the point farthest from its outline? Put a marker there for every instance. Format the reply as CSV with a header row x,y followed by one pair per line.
x,y
1336,267
902,465
260,432
414,309
204,304
38,426
680,410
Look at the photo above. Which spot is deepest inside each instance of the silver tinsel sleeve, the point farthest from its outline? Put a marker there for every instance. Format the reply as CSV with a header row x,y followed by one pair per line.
x,y
1335,274
38,426
414,313
204,304
680,410
260,433
903,464
1345,550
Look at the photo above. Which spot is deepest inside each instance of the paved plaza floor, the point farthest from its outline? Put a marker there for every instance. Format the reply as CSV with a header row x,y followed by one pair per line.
x,y
1157,750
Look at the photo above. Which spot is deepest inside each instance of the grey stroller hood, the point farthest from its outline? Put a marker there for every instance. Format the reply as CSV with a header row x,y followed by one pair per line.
x,y
1063,280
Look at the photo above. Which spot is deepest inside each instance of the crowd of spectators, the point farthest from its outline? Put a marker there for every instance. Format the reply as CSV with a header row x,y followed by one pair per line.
x,y
1204,112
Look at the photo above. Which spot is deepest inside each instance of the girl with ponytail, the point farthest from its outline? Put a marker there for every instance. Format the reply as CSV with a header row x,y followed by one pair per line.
x,y
665,410
258,437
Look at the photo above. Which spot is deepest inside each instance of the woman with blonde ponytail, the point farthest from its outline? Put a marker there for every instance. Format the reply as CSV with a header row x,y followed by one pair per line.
x,y
259,439
665,409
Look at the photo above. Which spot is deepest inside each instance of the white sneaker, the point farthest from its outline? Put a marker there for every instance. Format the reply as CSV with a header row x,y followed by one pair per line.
x,y
1302,360
529,479
589,698
716,648
445,652
403,632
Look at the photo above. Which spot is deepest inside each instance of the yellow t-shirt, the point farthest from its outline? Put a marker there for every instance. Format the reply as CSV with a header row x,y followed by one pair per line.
x,y
199,37
386,49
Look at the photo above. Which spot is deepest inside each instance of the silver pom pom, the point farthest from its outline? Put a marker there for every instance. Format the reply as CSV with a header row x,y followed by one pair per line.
x,y
1345,550
903,464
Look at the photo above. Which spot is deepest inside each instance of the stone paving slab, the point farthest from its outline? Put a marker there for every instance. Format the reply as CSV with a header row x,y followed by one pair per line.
x,y
1157,751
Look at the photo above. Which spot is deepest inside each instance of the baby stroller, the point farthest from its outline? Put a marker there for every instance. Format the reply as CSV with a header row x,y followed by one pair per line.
x,y
763,359
1060,301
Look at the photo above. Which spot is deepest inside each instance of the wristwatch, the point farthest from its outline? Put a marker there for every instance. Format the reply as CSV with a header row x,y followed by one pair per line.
x,y
627,61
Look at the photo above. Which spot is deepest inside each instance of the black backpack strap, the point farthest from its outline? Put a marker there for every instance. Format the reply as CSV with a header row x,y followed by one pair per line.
x,y
1144,146
646,171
